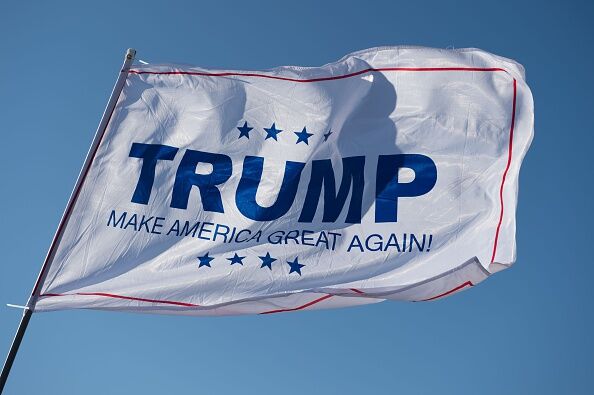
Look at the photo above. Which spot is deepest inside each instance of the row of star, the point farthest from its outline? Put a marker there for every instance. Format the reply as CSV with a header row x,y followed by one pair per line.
x,y
267,261
272,133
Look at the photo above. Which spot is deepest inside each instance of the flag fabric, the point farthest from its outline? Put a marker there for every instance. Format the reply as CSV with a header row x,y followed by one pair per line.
x,y
389,174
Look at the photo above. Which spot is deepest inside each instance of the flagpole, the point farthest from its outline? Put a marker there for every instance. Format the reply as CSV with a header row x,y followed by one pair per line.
x,y
28,311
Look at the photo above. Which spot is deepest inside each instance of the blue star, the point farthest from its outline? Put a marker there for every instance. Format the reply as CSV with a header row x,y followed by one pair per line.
x,y
272,132
303,136
326,135
205,260
236,259
295,266
244,131
267,261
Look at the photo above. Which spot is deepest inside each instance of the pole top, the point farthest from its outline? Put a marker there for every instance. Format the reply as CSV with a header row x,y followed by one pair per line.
x,y
130,54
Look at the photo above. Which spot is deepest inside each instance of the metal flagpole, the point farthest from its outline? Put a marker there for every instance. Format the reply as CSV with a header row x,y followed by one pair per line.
x,y
28,311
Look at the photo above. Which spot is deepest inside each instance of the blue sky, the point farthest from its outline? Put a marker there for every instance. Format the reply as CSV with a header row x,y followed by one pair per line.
x,y
525,330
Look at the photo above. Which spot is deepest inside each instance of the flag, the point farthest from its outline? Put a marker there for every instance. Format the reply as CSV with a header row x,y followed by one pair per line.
x,y
389,174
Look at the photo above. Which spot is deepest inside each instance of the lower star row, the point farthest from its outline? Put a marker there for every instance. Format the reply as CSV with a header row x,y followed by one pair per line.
x,y
267,261
272,133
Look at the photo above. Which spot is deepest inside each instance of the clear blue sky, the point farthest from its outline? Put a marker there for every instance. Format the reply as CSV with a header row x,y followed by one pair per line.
x,y
525,330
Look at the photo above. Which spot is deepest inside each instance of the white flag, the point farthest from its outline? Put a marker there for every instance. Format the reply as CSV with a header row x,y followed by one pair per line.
x,y
390,174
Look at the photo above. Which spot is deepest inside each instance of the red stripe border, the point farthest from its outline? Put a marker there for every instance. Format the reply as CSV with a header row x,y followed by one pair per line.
x,y
108,295
184,304
459,287
336,77
509,158
300,307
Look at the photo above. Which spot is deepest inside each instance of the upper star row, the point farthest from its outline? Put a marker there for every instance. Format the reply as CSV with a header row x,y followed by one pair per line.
x,y
272,133
267,261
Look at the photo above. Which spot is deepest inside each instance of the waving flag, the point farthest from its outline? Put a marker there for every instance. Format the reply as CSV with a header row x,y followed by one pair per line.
x,y
390,174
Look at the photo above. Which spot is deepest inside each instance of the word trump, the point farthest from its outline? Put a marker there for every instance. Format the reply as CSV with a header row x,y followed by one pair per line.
x,y
388,189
